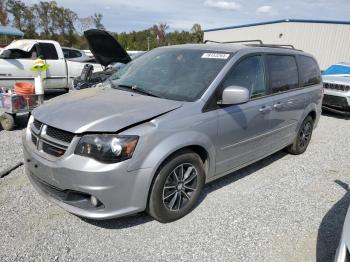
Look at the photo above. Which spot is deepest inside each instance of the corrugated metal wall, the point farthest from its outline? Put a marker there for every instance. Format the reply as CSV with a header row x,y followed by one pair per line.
x,y
329,43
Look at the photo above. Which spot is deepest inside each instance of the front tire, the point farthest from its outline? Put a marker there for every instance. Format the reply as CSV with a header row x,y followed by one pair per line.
x,y
177,187
303,137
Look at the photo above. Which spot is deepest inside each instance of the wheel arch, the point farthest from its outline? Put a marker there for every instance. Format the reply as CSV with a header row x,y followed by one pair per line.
x,y
313,115
200,150
310,110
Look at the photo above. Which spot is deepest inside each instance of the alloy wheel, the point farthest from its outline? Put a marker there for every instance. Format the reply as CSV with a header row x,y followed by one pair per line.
x,y
305,134
179,186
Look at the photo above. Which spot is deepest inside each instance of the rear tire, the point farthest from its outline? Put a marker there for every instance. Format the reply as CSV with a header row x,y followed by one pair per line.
x,y
176,187
303,137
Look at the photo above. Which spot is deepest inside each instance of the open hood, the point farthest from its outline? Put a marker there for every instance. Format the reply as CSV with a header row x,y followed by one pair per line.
x,y
105,48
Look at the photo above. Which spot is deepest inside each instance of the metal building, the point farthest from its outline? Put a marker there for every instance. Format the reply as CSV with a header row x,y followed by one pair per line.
x,y
328,41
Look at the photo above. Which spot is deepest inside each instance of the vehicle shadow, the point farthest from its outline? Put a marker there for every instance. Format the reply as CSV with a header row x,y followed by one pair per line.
x,y
142,218
120,223
330,230
239,174
328,113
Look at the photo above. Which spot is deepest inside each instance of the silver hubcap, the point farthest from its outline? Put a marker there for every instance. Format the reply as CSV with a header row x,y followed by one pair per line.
x,y
179,186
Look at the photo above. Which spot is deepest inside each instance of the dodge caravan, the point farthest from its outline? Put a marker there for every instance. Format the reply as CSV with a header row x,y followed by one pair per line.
x,y
156,131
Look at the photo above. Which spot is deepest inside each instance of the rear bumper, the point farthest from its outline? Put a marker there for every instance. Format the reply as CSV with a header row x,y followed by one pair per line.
x,y
70,182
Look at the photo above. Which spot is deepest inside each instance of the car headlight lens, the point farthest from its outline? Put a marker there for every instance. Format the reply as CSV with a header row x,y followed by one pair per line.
x,y
107,148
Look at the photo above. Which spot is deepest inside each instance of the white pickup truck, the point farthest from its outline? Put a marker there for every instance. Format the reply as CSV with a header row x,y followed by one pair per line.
x,y
17,59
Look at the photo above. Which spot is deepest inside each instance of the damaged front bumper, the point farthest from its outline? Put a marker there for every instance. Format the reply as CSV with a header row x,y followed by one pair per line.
x,y
73,180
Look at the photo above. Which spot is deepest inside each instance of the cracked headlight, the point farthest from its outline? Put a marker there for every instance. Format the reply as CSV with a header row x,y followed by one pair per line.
x,y
107,148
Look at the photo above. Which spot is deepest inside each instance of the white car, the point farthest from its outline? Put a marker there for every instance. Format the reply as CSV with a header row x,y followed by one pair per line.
x,y
336,83
76,55
17,59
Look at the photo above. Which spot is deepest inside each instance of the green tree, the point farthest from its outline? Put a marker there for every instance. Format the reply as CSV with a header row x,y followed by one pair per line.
x,y
23,17
17,9
45,12
30,21
97,19
160,32
197,33
85,23
4,20
48,20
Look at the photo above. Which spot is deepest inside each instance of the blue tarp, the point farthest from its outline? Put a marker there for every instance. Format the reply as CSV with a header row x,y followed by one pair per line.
x,y
337,70
10,31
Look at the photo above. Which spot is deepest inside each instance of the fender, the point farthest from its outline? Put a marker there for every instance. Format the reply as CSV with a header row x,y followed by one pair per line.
x,y
173,143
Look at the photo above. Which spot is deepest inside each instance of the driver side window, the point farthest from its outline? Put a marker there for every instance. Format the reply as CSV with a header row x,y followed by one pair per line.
x,y
248,73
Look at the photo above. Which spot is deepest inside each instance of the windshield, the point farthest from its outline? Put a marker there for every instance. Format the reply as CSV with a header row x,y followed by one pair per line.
x,y
171,73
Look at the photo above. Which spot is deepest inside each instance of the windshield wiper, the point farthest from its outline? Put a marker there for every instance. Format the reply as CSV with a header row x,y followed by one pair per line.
x,y
139,90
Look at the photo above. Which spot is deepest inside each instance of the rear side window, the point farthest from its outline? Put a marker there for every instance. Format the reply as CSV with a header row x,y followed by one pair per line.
x,y
283,72
248,73
48,51
65,53
310,73
74,54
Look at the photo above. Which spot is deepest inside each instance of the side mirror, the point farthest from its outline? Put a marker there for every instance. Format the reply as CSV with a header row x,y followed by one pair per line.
x,y
233,95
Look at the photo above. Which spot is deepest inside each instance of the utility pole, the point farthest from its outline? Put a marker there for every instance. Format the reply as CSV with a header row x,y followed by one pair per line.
x,y
147,43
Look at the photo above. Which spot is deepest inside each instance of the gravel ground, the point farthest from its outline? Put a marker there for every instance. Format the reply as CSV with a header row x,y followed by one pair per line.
x,y
283,208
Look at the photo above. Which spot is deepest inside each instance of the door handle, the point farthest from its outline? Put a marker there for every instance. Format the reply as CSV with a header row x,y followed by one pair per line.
x,y
265,109
279,105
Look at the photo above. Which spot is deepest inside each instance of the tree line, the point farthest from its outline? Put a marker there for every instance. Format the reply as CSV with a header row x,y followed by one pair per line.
x,y
48,20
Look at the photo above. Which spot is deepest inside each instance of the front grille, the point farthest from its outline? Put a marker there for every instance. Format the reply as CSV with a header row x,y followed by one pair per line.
x,y
59,134
50,140
37,124
338,87
34,139
52,150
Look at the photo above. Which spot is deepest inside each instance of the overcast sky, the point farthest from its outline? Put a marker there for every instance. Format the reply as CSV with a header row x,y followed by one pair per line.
x,y
122,15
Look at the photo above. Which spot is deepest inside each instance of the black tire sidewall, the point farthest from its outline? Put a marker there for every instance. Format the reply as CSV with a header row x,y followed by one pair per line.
x,y
156,206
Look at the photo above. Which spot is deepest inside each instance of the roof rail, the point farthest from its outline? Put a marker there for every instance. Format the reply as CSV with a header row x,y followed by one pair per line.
x,y
234,42
275,46
251,43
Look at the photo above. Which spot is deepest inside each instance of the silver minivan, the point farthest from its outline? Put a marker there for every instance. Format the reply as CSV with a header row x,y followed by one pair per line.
x,y
156,131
